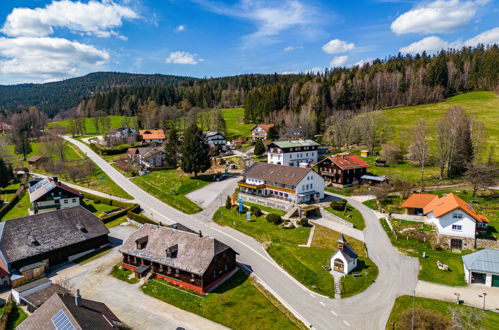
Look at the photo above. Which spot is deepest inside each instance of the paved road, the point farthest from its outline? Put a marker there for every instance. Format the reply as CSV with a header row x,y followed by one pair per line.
x,y
369,310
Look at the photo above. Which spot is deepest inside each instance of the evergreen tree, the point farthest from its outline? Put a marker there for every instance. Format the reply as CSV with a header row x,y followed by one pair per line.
x,y
5,173
259,148
273,133
171,148
195,151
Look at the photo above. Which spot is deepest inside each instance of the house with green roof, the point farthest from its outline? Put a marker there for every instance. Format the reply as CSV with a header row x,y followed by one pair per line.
x,y
292,152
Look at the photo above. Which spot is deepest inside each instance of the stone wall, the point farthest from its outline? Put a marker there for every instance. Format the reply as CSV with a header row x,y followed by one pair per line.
x,y
445,242
486,244
269,202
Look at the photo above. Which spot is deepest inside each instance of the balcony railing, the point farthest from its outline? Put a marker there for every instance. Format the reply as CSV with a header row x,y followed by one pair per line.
x,y
249,185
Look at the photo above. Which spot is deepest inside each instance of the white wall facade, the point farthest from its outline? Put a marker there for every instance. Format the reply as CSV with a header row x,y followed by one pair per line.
x,y
292,158
259,133
348,267
64,203
19,295
488,278
456,223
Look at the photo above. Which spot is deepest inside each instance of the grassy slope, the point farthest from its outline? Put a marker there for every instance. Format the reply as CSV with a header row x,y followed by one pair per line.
x,y
116,122
234,120
237,303
351,214
171,185
404,303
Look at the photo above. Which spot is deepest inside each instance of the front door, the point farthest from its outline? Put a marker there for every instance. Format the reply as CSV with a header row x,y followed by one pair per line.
x,y
456,243
338,265
495,280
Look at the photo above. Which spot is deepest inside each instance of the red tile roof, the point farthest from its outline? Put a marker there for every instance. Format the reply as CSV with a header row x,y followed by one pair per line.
x,y
348,162
265,127
152,134
418,201
449,203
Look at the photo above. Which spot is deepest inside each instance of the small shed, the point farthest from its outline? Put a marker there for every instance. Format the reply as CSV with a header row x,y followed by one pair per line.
x,y
365,153
36,160
345,259
372,179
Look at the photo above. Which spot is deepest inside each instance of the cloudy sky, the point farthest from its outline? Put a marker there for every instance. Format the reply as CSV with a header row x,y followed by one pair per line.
x,y
48,40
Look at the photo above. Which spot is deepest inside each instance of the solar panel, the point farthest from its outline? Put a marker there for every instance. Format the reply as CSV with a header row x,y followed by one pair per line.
x,y
61,321
49,187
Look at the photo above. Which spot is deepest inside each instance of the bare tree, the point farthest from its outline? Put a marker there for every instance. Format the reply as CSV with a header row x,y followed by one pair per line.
x,y
466,318
480,176
392,152
419,149
371,123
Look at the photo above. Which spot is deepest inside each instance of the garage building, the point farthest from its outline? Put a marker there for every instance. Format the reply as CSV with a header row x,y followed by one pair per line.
x,y
482,267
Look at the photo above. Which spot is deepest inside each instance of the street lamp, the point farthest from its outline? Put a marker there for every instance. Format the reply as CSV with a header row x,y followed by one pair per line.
x,y
483,295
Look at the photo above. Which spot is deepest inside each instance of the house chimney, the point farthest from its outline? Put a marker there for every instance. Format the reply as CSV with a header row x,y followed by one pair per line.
x,y
200,234
55,179
78,298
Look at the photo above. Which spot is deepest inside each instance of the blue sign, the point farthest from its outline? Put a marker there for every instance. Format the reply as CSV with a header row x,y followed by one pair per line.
x,y
248,215
240,205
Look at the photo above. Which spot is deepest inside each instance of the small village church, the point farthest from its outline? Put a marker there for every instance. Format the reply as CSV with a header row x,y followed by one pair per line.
x,y
345,259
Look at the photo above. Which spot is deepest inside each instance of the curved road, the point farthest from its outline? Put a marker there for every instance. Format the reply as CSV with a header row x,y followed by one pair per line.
x,y
368,310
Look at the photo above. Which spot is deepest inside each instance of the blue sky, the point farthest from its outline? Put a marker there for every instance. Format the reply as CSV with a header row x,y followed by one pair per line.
x,y
46,40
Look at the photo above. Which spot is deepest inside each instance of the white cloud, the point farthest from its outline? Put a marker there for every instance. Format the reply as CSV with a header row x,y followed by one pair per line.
x,y
437,17
336,46
47,58
180,28
270,17
433,44
291,48
95,18
339,61
180,57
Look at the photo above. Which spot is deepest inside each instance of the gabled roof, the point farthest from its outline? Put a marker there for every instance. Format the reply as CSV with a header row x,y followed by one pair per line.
x,y
291,175
45,186
88,315
348,253
29,236
418,201
265,127
449,203
212,133
40,297
295,143
152,134
35,158
486,260
347,162
194,253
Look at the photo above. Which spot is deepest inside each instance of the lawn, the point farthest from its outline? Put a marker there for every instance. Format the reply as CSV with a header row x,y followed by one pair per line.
x,y
237,304
116,222
97,208
16,317
234,121
350,214
19,210
403,304
116,122
70,153
389,204
428,265
171,186
123,274
303,263
8,192
340,191
265,208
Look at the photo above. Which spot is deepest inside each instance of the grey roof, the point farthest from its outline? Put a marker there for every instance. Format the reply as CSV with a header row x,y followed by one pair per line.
x,y
38,298
180,226
32,235
149,151
291,175
373,178
486,260
194,253
32,285
295,143
348,253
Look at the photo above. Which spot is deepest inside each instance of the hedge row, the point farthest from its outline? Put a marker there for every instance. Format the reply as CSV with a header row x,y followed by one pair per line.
x,y
17,197
140,218
108,151
121,213
5,316
108,201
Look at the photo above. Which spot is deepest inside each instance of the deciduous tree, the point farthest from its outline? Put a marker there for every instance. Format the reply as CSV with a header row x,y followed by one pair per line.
x,y
259,148
419,149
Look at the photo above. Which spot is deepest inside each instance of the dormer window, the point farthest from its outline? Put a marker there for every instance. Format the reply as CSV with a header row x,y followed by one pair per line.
x,y
141,243
35,243
172,251
82,228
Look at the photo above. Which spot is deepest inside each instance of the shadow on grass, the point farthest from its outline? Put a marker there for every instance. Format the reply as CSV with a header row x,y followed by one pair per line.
x,y
361,266
233,282
89,207
204,177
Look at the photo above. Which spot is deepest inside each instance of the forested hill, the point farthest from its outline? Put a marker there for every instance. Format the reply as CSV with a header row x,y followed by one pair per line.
x,y
62,95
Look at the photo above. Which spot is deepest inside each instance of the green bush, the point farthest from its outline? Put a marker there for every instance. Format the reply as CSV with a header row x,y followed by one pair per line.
x,y
244,210
228,203
274,218
256,211
339,205
140,218
304,222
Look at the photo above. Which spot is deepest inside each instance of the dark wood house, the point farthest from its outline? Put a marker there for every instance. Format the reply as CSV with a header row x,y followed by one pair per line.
x,y
342,170
179,256
29,245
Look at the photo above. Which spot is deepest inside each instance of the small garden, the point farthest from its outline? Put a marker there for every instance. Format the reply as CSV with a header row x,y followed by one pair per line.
x,y
124,274
347,212
437,314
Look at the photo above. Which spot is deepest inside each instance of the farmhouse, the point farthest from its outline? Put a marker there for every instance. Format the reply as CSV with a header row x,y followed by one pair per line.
x,y
456,222
36,160
120,135
288,183
146,158
31,244
152,135
179,256
65,311
215,139
292,152
4,127
294,133
345,259
342,170
49,195
260,131
482,267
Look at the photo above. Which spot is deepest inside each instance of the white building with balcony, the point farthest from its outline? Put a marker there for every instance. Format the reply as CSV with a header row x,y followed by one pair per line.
x,y
292,152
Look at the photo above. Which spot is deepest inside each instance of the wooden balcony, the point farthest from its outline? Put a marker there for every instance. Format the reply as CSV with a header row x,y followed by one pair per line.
x,y
251,186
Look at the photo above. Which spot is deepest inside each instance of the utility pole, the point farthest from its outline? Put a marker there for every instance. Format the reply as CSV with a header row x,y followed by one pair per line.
x,y
483,295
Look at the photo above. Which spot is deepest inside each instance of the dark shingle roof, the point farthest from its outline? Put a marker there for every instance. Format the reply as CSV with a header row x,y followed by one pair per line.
x,y
32,235
194,253
277,173
40,297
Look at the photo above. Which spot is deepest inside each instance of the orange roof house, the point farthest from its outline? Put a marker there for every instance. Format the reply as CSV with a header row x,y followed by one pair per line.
x,y
449,203
260,131
416,203
152,134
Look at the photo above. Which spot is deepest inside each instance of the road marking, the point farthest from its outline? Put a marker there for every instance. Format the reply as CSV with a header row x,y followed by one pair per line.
x,y
346,323
334,313
311,295
323,304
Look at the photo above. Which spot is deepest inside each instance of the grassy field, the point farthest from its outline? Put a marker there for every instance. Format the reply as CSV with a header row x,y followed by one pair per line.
x,y
390,204
237,304
116,122
8,192
350,214
403,304
123,274
19,210
234,121
265,208
97,209
428,265
170,186
303,263
116,222
16,317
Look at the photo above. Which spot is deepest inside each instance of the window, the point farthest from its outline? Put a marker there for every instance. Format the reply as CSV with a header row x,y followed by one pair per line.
x,y
65,201
457,216
74,200
456,227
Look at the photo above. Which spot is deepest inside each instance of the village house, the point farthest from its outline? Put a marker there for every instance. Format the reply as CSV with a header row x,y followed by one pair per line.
x,y
29,245
152,136
120,135
342,170
4,127
482,267
215,139
50,194
36,161
456,222
345,259
145,158
260,131
67,312
288,183
179,256
34,294
292,152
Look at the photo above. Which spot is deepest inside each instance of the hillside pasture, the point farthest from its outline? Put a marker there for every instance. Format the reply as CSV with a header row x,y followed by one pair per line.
x,y
116,122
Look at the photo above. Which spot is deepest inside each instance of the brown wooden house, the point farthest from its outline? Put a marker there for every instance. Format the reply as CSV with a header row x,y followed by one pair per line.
x,y
179,256
342,170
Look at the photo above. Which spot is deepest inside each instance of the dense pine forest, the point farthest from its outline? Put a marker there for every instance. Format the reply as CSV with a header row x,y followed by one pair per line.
x,y
306,99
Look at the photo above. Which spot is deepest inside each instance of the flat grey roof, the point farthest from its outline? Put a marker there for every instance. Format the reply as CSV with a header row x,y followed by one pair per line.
x,y
486,260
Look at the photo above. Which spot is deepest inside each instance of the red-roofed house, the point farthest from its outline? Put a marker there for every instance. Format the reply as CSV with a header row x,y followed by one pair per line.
x,y
456,221
152,135
342,170
416,202
260,131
